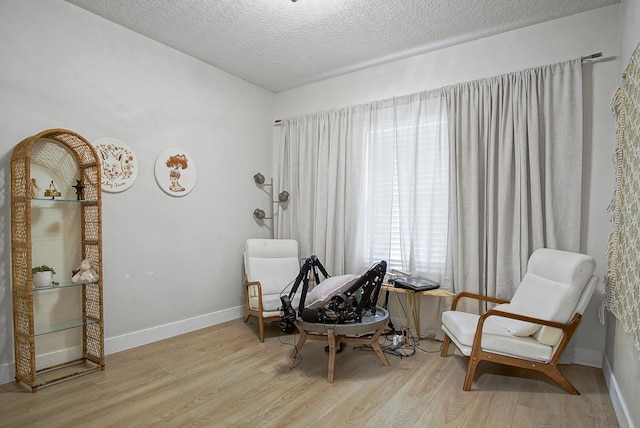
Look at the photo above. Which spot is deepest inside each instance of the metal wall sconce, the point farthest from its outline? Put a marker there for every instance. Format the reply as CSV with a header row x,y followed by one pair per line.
x,y
283,197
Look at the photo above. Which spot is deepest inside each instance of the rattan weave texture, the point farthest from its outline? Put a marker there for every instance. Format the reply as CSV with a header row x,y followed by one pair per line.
x,y
54,146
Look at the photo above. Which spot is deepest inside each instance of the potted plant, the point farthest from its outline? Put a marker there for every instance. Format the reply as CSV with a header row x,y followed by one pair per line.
x,y
42,276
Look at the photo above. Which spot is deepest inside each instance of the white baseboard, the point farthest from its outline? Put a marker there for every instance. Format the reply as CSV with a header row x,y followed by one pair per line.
x,y
587,357
165,331
133,339
7,373
619,405
58,357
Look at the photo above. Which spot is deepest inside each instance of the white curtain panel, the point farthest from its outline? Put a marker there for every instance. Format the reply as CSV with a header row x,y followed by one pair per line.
x,y
320,158
367,182
404,210
460,184
516,173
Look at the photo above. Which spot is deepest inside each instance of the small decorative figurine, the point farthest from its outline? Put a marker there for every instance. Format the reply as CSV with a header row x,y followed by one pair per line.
x,y
34,188
52,191
79,190
85,274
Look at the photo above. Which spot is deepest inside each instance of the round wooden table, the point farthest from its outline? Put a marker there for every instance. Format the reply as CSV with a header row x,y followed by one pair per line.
x,y
345,334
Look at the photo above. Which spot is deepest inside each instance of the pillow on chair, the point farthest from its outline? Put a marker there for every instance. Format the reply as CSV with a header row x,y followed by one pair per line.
x,y
549,272
515,327
323,292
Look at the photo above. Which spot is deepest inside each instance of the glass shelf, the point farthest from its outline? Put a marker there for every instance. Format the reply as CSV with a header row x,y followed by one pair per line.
x,y
63,325
44,201
53,287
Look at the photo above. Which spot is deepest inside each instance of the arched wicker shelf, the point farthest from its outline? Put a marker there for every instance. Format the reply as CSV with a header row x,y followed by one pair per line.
x,y
67,155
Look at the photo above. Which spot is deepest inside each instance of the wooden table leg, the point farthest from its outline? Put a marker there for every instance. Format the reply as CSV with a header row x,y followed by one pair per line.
x,y
332,354
413,303
301,341
376,345
324,332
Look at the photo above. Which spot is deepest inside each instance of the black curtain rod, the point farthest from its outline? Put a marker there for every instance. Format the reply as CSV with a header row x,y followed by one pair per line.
x,y
592,56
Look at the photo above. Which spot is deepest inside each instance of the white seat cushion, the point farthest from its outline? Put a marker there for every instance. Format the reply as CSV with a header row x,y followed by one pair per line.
x,y
461,328
271,304
548,335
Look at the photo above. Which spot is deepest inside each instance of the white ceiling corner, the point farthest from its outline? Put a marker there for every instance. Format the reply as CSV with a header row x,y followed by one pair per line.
x,y
279,44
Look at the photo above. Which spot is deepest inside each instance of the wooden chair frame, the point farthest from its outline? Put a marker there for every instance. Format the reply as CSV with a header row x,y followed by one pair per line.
x,y
259,312
478,354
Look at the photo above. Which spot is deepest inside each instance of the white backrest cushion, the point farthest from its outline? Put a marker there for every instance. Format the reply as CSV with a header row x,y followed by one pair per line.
x,y
273,262
585,298
323,292
550,289
271,248
562,266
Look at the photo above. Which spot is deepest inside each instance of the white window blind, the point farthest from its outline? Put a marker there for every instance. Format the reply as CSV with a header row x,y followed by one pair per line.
x,y
406,200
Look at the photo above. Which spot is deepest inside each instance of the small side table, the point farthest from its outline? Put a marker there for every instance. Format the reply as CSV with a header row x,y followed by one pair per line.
x,y
413,302
345,334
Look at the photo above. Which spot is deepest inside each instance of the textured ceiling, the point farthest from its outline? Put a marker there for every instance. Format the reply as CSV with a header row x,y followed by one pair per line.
x,y
279,44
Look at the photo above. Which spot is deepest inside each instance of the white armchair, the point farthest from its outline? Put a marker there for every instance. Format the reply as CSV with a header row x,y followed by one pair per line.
x,y
270,265
533,329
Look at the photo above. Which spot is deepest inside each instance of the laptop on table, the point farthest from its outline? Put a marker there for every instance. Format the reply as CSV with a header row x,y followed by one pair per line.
x,y
414,283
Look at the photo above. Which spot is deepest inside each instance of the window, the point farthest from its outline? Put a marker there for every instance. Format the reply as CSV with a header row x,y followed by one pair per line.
x,y
406,199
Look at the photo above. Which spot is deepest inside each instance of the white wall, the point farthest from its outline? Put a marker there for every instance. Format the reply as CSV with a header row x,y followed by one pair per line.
x,y
559,40
622,362
170,264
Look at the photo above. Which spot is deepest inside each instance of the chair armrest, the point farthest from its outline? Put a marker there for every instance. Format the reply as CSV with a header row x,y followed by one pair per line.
x,y
248,283
568,329
258,286
475,296
494,312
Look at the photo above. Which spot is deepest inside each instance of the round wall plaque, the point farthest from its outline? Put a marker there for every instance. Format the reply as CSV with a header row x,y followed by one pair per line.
x,y
119,164
175,172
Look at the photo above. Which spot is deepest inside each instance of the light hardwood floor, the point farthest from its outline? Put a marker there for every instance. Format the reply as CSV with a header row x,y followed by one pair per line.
x,y
223,376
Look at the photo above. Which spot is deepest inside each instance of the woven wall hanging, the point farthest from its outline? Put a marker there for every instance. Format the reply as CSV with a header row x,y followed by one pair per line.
x,y
622,285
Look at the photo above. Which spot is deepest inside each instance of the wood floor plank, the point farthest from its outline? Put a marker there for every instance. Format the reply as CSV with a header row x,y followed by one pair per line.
x,y
224,376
